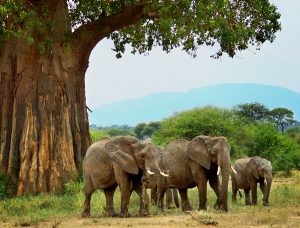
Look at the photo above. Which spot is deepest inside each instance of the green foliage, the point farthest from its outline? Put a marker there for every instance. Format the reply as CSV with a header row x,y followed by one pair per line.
x,y
144,130
264,140
294,133
19,19
234,25
209,120
253,139
3,186
97,134
282,117
72,188
252,112
117,131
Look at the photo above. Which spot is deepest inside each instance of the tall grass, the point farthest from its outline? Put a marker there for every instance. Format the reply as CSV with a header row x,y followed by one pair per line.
x,y
34,209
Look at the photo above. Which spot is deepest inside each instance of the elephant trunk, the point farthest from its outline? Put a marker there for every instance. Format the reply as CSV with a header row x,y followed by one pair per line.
x,y
267,188
224,164
154,168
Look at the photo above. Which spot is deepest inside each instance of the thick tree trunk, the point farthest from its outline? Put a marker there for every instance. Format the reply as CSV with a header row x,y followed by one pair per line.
x,y
43,119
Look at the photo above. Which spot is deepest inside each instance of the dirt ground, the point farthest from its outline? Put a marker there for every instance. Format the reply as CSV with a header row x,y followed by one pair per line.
x,y
271,217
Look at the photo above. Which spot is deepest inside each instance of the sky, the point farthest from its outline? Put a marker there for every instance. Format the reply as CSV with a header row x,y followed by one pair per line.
x,y
110,80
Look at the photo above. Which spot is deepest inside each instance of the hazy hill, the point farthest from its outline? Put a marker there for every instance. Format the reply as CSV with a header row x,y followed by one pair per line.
x,y
161,105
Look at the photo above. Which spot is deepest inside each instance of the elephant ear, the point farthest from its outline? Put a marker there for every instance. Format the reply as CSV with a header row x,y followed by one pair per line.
x,y
252,167
198,151
120,151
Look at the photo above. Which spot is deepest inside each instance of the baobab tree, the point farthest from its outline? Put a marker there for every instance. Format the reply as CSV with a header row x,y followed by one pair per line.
x,y
44,54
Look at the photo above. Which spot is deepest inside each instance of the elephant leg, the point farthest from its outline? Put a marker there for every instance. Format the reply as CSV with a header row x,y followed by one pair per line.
x,y
142,193
154,195
87,202
160,198
125,186
254,193
265,193
201,182
234,190
175,195
109,196
247,197
214,184
169,198
161,189
186,206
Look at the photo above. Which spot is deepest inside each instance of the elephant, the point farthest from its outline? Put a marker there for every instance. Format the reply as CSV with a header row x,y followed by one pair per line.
x,y
250,171
150,181
119,161
193,163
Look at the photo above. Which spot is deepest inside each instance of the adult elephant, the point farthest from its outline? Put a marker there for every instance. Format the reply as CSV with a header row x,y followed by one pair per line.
x,y
118,161
193,163
250,171
150,182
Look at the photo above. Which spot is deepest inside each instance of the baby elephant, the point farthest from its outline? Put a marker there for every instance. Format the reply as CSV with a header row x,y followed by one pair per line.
x,y
250,171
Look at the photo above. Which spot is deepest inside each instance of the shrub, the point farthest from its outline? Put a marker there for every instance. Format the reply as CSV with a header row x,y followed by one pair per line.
x,y
209,120
3,186
252,139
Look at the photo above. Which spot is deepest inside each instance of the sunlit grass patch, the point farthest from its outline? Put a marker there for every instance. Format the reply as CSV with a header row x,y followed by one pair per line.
x,y
32,210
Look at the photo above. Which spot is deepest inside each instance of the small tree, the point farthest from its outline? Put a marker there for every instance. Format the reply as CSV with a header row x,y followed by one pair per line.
x,y
143,130
252,112
282,117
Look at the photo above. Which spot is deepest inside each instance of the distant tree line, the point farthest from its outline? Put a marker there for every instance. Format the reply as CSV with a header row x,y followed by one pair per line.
x,y
251,112
251,128
248,127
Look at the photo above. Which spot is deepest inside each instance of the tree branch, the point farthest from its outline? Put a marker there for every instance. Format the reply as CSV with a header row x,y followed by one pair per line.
x,y
88,35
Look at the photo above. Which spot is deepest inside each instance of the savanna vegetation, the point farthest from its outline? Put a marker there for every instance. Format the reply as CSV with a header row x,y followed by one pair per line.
x,y
251,128
249,135
64,210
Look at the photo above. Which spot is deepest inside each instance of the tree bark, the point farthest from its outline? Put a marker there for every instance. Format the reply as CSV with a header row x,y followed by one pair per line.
x,y
43,118
44,129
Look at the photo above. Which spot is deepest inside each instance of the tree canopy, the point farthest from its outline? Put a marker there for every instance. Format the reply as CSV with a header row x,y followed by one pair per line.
x,y
44,54
233,24
282,117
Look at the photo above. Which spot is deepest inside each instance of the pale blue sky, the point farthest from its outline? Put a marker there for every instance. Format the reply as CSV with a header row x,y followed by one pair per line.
x,y
110,80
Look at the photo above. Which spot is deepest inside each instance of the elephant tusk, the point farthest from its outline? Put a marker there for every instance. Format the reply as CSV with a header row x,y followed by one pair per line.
x,y
233,170
266,183
163,174
218,171
149,172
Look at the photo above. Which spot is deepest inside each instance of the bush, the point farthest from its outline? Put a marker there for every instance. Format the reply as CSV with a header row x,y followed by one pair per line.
x,y
73,188
264,140
209,120
97,134
253,139
3,186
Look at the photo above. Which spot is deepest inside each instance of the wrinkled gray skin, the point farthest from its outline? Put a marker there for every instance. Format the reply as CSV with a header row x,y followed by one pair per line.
x,y
193,163
150,181
250,171
119,161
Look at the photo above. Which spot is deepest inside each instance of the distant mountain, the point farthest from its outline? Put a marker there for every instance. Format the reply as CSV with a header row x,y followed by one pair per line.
x,y
161,105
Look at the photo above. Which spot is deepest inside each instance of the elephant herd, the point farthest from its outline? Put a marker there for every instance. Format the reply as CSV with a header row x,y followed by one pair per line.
x,y
134,164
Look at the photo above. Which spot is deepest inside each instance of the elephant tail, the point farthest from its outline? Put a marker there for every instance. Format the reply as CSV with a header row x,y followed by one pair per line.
x,y
241,196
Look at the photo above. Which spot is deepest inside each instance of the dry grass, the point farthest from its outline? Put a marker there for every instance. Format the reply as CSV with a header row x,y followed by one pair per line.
x,y
284,211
